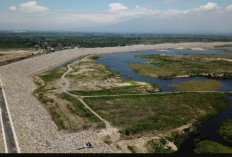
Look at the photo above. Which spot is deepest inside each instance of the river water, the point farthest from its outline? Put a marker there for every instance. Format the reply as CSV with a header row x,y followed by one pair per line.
x,y
118,62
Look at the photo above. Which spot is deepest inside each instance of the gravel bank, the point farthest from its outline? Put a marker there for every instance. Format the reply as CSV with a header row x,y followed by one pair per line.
x,y
35,130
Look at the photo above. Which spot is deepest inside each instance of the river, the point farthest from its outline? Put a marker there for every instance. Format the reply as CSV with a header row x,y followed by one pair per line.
x,y
118,62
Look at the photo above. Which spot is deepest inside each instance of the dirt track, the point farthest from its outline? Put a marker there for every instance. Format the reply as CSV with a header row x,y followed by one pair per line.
x,y
111,131
35,130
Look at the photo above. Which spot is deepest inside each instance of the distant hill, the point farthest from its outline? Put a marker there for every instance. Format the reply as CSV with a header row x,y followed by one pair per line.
x,y
161,26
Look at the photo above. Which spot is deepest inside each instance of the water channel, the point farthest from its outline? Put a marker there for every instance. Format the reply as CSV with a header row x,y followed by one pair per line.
x,y
118,62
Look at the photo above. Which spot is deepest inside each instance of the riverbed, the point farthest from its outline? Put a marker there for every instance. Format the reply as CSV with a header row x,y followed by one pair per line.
x,y
118,62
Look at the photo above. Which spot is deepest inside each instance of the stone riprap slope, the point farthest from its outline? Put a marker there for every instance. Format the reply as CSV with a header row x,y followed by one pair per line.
x,y
35,130
2,149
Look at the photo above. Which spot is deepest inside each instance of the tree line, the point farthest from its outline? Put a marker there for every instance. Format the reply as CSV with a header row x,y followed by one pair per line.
x,y
31,40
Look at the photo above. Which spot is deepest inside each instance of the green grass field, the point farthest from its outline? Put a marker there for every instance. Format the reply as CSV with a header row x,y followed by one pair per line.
x,y
211,147
138,114
208,85
167,66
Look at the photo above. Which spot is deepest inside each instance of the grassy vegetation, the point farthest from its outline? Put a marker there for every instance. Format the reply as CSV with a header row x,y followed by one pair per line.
x,y
158,147
47,78
53,75
203,145
138,114
62,112
133,89
133,115
64,108
49,105
226,45
225,50
228,50
177,138
208,85
103,81
207,146
77,108
208,56
132,149
165,66
226,130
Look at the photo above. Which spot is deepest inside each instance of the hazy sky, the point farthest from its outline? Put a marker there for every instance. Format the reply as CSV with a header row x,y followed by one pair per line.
x,y
155,16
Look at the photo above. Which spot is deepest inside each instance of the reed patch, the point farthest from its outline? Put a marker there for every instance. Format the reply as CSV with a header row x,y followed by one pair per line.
x,y
167,66
208,85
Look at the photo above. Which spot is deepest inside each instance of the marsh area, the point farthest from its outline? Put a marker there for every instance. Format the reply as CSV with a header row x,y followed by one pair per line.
x,y
119,62
139,107
173,62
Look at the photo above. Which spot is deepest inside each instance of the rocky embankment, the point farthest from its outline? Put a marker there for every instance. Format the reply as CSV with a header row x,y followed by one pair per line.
x,y
2,149
35,130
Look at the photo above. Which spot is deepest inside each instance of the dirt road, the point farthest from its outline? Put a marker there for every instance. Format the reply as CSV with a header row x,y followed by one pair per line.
x,y
109,130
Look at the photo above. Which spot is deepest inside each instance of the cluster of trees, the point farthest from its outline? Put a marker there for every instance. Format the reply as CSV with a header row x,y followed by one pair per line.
x,y
14,41
90,40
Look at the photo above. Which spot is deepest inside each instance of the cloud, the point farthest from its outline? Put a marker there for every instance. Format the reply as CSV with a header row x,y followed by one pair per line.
x,y
117,13
13,8
171,1
208,7
117,6
170,13
32,6
229,8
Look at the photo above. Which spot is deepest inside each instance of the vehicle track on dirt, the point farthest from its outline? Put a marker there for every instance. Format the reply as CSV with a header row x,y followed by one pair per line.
x,y
109,130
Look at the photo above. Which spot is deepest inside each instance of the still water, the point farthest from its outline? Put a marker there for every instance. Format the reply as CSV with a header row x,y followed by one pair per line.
x,y
118,62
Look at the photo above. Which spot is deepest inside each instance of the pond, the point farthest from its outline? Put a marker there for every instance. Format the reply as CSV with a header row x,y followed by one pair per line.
x,y
118,62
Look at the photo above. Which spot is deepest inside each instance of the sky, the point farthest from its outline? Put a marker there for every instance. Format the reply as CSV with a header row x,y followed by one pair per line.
x,y
132,16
